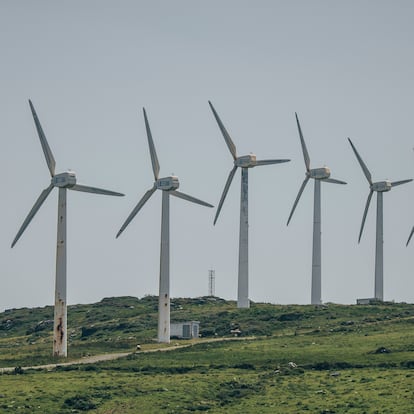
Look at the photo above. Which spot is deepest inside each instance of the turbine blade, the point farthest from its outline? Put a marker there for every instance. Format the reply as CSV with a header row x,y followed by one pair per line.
x,y
302,141
187,197
138,207
361,163
411,235
153,153
395,183
223,130
33,211
94,190
333,181
269,162
225,191
302,187
365,214
50,160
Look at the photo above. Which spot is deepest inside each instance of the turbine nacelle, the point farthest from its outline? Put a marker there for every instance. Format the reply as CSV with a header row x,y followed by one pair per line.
x,y
246,161
170,183
381,186
64,180
319,173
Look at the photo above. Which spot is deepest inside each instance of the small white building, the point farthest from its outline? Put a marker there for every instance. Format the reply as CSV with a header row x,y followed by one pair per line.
x,y
185,330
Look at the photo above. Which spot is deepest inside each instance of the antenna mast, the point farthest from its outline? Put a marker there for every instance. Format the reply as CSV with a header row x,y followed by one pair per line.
x,y
211,282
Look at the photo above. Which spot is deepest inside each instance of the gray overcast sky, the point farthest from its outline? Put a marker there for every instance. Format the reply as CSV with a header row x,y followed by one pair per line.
x,y
90,67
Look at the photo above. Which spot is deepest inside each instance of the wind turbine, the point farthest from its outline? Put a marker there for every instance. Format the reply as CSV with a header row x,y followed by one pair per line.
x,y
319,175
379,187
168,186
64,181
244,162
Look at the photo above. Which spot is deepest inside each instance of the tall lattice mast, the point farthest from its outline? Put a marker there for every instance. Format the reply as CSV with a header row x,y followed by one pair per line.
x,y
211,282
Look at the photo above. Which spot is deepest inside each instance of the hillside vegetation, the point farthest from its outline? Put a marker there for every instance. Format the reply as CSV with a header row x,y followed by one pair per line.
x,y
288,359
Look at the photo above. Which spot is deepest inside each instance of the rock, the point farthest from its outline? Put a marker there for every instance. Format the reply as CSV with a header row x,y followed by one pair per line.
x,y
347,323
382,350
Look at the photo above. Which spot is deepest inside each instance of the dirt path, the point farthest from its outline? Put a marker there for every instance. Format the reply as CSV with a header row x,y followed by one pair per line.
x,y
110,357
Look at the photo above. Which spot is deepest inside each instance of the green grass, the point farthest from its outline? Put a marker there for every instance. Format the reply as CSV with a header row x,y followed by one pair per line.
x,y
229,390
338,366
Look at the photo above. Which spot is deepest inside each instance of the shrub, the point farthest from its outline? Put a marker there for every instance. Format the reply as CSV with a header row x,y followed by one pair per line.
x,y
88,331
80,402
18,370
294,316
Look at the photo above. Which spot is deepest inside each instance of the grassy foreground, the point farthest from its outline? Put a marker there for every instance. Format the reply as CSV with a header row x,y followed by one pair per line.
x,y
331,359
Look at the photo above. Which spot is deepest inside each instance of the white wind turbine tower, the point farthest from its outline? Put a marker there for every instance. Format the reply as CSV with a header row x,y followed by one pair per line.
x,y
379,187
244,162
319,175
64,181
168,186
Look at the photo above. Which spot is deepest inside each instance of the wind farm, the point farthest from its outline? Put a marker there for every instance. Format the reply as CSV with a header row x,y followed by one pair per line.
x,y
90,81
176,308
169,186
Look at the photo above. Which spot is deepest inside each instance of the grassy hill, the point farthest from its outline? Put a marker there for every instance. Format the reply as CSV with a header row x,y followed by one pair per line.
x,y
289,359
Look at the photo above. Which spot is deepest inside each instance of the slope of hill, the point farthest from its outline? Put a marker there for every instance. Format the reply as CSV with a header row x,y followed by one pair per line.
x,y
326,359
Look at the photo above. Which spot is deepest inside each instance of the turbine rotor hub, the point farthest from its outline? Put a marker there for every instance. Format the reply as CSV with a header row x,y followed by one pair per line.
x,y
64,180
168,183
